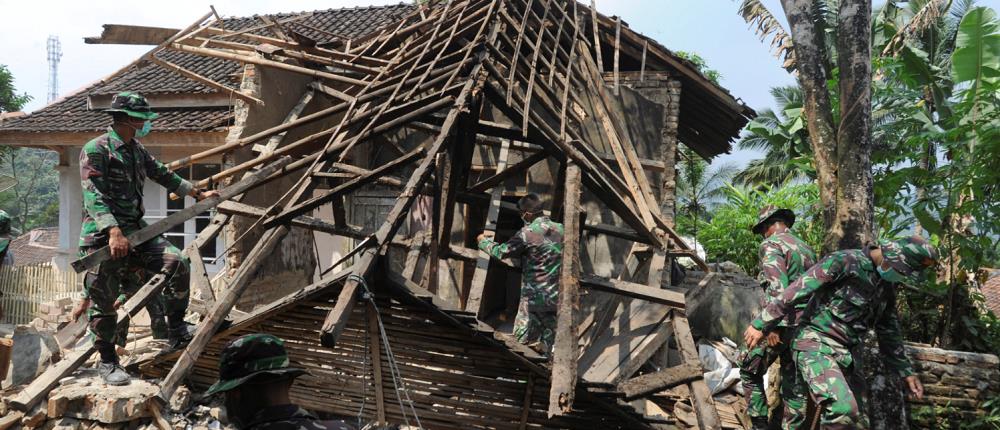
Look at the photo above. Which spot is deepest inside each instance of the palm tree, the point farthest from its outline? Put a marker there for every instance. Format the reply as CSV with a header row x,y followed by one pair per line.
x,y
700,188
783,139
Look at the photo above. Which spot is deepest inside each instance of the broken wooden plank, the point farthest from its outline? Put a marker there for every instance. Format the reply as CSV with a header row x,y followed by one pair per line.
x,y
211,323
636,291
474,304
657,381
199,276
336,319
562,391
293,114
502,175
374,335
40,386
205,81
704,405
139,237
301,221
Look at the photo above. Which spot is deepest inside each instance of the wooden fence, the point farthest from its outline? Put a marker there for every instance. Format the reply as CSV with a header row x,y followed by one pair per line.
x,y
26,287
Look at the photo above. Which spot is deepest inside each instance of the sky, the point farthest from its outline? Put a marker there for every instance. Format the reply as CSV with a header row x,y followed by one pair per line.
x,y
711,28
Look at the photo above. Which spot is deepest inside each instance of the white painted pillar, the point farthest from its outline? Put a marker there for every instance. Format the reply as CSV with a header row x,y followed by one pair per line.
x,y
70,207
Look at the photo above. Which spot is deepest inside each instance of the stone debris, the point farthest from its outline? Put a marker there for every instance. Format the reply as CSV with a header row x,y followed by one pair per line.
x,y
32,352
89,398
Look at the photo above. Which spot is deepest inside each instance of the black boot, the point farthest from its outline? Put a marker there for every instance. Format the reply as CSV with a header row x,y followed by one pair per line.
x,y
179,336
111,372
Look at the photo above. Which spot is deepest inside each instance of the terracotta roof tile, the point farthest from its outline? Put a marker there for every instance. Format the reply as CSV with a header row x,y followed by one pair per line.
x,y
71,114
37,246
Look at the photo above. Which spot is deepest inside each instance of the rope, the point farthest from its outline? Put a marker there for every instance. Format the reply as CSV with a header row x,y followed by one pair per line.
x,y
397,380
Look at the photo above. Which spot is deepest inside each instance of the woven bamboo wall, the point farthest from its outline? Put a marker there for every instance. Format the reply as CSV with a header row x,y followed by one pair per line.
x,y
26,287
456,380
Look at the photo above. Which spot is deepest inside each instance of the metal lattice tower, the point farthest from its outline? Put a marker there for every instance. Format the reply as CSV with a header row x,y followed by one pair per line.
x,y
54,54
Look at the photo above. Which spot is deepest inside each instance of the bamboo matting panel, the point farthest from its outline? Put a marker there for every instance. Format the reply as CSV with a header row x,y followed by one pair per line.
x,y
455,380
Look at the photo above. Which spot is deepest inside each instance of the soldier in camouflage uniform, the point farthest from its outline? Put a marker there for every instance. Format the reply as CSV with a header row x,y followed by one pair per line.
x,y
113,170
4,236
539,244
850,292
255,377
783,258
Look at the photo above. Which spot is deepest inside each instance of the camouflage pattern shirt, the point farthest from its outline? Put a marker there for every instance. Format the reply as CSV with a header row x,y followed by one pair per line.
x,y
113,173
291,417
847,298
539,245
784,257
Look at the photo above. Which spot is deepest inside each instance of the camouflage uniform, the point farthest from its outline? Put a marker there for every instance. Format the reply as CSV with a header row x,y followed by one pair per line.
x,y
540,244
113,174
783,258
132,280
847,297
4,236
258,356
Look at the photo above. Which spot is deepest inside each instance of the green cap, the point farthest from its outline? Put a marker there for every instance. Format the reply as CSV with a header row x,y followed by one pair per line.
x,y
251,356
132,104
906,258
771,211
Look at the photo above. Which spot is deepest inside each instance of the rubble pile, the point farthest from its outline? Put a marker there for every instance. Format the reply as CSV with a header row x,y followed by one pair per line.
x,y
85,402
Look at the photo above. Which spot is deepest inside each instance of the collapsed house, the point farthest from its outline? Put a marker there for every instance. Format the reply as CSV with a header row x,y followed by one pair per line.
x,y
407,142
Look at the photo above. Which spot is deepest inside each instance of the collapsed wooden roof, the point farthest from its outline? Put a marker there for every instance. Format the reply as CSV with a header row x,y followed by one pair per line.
x,y
464,73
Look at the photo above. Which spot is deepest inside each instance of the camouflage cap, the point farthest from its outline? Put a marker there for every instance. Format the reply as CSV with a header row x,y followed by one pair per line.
x,y
906,258
772,211
251,356
132,104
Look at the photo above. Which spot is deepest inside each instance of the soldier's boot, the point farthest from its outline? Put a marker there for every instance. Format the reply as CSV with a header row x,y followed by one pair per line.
x,y
179,333
759,423
179,336
111,372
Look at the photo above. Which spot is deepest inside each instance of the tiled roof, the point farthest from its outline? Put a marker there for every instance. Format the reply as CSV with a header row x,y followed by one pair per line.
x,y
991,291
70,114
37,246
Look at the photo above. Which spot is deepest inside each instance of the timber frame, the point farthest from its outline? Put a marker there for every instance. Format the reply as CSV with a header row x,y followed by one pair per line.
x,y
471,79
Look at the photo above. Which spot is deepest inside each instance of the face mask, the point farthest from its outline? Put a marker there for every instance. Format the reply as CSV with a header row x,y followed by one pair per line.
x,y
146,127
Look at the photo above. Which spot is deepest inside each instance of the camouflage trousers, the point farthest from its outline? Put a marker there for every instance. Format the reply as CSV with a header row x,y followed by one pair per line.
x,y
533,325
833,382
115,280
753,367
134,278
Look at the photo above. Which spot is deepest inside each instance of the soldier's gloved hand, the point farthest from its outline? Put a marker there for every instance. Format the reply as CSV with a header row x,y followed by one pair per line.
x,y
751,336
117,242
80,308
915,387
773,339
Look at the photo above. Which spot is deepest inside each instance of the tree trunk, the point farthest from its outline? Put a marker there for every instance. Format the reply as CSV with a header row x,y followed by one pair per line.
x,y
809,55
854,221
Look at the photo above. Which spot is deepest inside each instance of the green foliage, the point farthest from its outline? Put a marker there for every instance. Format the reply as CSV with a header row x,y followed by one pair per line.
x,y
10,101
34,201
727,236
783,138
700,64
699,190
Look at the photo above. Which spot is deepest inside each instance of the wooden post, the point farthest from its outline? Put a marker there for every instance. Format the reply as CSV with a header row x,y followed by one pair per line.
x,y
704,405
618,35
526,405
597,37
376,356
475,302
565,351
